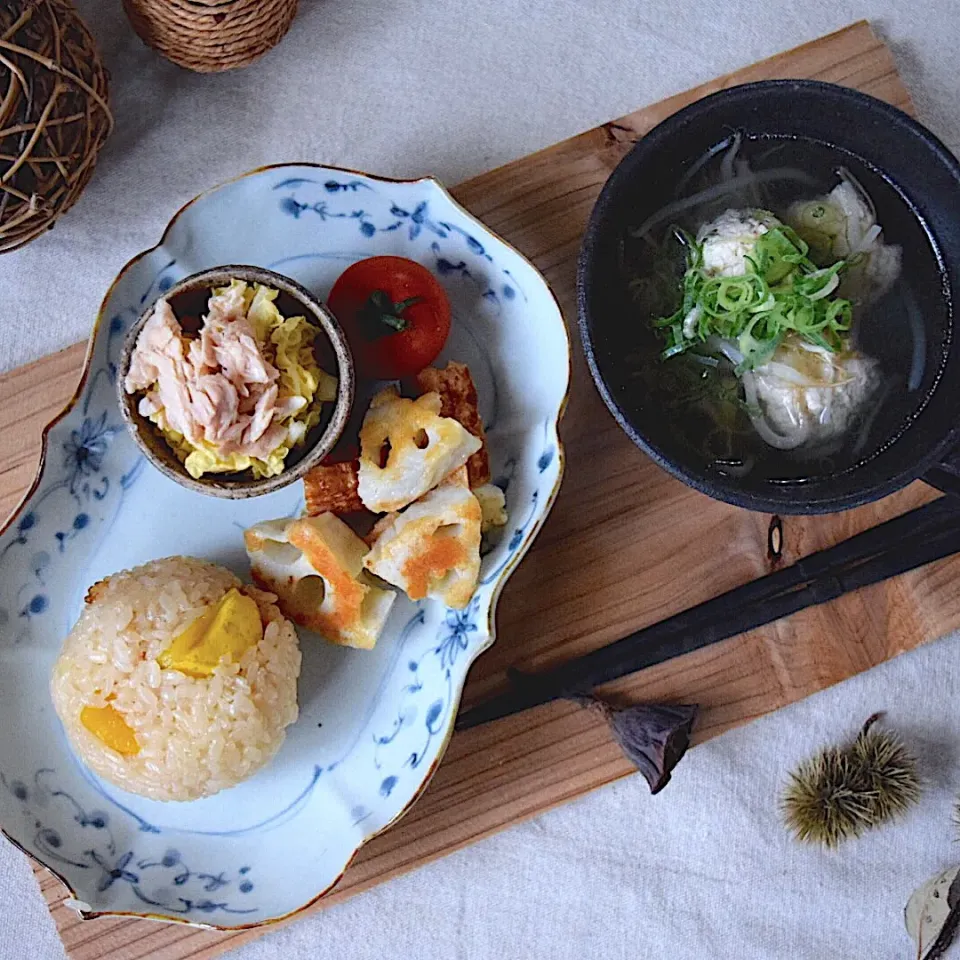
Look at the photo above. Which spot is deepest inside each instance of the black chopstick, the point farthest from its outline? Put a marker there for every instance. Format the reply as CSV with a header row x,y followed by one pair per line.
x,y
914,539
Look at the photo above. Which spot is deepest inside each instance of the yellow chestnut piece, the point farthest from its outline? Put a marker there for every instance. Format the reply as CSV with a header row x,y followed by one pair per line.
x,y
226,630
107,724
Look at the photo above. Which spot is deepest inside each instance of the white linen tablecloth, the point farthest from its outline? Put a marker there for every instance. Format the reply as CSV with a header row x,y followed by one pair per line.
x,y
404,88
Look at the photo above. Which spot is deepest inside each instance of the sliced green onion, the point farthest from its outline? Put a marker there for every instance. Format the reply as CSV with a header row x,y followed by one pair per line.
x,y
781,292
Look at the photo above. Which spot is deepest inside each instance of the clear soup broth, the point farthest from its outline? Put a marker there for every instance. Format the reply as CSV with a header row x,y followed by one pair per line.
x,y
737,416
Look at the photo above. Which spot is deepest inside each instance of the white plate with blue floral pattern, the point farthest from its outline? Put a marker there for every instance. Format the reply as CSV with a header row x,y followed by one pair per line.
x,y
373,724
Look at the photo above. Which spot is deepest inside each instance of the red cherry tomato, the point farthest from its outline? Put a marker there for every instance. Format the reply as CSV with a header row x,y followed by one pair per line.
x,y
394,313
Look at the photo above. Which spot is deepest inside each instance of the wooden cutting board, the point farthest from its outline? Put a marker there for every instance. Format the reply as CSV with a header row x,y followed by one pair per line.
x,y
625,546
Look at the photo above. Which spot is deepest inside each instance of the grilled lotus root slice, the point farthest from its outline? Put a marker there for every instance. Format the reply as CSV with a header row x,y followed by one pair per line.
x,y
407,448
315,567
432,549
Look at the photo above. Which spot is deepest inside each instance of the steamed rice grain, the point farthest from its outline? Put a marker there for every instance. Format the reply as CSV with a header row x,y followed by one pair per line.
x,y
196,736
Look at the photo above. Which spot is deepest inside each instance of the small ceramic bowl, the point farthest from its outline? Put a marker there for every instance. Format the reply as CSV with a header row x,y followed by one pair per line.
x,y
188,299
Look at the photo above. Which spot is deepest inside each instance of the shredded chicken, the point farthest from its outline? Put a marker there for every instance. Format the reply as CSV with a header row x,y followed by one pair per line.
x,y
216,405
158,364
268,442
262,414
218,388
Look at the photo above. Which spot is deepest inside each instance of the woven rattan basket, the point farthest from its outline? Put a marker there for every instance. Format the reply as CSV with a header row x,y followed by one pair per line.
x,y
54,114
211,35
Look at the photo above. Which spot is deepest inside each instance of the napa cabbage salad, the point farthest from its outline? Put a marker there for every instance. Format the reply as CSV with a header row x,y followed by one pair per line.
x,y
240,394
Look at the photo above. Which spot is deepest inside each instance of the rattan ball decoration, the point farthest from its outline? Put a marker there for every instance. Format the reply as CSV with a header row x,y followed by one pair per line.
x,y
54,114
211,35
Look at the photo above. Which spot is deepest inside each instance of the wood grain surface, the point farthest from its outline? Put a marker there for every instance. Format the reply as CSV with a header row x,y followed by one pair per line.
x,y
626,545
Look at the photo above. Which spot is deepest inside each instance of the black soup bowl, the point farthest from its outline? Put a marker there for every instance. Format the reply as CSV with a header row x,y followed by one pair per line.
x,y
787,140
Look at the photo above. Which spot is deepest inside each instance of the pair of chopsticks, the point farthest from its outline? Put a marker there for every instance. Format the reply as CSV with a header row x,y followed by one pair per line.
x,y
916,538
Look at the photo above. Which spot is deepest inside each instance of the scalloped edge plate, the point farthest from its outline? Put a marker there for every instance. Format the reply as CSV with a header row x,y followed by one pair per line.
x,y
123,856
